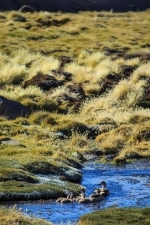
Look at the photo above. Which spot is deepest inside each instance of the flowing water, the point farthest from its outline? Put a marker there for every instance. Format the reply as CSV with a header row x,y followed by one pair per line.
x,y
129,186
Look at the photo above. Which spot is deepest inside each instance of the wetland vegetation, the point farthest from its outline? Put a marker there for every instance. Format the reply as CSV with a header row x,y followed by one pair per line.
x,y
84,80
117,216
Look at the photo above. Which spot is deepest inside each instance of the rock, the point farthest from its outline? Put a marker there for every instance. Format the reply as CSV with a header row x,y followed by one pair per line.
x,y
27,8
44,81
72,175
12,109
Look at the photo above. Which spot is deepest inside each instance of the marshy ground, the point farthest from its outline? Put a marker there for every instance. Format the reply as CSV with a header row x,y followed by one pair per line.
x,y
96,103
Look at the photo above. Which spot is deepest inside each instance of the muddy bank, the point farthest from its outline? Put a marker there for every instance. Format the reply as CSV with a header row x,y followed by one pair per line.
x,y
77,5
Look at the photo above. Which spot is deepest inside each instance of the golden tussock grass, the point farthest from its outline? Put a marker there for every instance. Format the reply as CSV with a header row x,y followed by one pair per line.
x,y
142,72
16,216
18,93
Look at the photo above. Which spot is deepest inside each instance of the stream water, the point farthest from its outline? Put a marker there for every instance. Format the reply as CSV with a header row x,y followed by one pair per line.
x,y
129,186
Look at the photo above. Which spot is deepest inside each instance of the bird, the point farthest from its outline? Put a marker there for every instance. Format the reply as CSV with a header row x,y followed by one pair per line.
x,y
103,190
67,199
92,198
60,199
96,199
96,196
84,200
80,196
103,183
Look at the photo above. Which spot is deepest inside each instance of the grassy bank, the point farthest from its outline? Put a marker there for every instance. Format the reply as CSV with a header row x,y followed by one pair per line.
x,y
13,216
117,216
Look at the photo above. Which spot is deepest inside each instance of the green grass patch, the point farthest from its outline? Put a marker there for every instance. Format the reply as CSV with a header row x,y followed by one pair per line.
x,y
113,216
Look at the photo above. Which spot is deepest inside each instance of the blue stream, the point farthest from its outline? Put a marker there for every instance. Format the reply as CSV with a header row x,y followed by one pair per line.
x,y
129,186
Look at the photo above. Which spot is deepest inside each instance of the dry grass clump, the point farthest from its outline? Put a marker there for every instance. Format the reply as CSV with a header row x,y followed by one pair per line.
x,y
24,56
14,15
90,59
19,94
142,72
57,122
43,15
22,121
44,65
47,105
67,160
13,215
23,65
80,73
129,62
143,148
78,140
38,117
67,127
92,90
133,152
111,144
127,142
3,59
90,72
2,16
17,67
127,93
110,65
13,74
62,94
